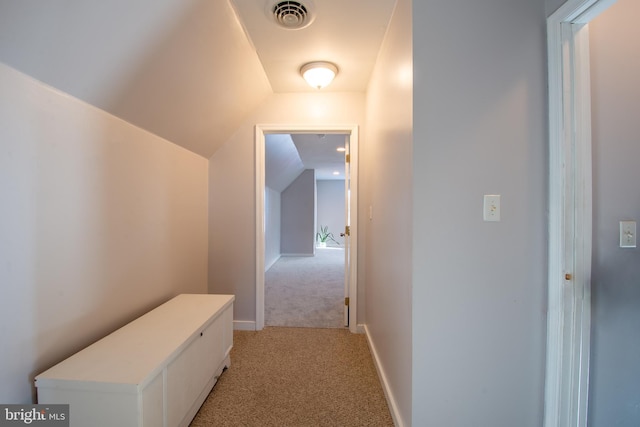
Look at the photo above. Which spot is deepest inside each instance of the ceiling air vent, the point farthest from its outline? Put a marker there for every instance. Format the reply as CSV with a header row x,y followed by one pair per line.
x,y
292,15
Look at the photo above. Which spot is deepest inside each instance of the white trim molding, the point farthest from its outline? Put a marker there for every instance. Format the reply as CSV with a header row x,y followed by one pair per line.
x,y
244,325
570,192
388,393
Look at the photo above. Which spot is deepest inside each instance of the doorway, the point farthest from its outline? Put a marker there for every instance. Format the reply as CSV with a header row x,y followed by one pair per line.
x,y
350,247
304,217
570,213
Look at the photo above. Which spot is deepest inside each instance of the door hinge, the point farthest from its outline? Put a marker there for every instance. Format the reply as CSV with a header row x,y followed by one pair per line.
x,y
347,158
346,301
347,230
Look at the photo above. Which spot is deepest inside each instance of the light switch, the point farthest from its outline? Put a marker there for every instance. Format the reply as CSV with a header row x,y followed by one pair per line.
x,y
627,234
491,211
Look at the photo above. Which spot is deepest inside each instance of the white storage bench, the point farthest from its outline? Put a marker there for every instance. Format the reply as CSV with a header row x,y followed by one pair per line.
x,y
155,371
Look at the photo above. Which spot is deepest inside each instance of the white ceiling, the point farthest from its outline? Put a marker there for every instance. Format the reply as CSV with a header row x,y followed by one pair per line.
x,y
281,160
287,156
320,152
345,32
186,70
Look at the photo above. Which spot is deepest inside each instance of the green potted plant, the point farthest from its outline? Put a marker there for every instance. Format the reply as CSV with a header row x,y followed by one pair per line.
x,y
323,236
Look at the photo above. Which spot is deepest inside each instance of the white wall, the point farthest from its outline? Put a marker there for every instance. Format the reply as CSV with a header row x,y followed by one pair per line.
x,y
272,213
100,222
331,208
232,187
387,188
614,381
479,296
298,215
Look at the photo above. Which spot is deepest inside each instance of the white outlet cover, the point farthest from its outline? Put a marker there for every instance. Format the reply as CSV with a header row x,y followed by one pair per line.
x,y
491,208
627,234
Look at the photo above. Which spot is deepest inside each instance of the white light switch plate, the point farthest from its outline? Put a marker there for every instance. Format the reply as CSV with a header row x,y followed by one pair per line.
x,y
491,211
627,234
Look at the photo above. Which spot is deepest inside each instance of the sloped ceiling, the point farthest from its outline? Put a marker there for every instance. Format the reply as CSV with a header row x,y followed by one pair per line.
x,y
282,161
287,156
182,69
320,152
189,71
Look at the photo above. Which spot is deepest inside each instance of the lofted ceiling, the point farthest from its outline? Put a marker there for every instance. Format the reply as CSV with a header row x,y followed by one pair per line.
x,y
320,152
287,156
189,71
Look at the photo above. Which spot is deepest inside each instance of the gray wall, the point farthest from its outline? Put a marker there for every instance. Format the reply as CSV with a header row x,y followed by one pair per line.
x,y
614,394
272,201
479,294
298,215
330,209
553,5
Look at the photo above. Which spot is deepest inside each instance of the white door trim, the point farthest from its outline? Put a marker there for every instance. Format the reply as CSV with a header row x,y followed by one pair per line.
x,y
260,132
570,192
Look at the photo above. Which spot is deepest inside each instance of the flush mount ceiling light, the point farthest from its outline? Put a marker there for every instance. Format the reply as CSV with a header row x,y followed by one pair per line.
x,y
319,74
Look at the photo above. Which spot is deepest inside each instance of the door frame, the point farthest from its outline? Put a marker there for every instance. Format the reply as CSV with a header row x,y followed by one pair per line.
x,y
352,133
570,210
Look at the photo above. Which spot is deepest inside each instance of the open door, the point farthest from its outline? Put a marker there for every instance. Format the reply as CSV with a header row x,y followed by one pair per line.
x,y
570,213
347,229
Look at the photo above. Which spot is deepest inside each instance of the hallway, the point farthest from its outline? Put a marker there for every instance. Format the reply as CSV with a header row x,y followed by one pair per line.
x,y
297,377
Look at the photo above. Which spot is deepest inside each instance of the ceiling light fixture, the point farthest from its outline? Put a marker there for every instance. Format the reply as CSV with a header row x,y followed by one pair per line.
x,y
319,74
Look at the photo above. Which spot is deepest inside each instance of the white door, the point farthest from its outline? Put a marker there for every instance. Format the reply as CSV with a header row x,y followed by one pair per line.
x,y
346,234
569,285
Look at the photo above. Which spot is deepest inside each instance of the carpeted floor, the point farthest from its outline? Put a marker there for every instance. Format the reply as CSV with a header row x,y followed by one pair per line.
x,y
306,291
297,377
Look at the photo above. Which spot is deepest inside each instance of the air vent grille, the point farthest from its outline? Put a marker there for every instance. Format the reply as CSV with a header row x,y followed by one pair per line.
x,y
291,15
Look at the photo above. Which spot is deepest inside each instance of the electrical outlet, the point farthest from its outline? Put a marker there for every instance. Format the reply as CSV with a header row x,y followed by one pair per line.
x,y
627,234
491,211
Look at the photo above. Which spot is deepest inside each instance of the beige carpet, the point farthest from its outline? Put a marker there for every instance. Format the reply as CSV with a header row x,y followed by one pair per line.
x,y
297,377
306,291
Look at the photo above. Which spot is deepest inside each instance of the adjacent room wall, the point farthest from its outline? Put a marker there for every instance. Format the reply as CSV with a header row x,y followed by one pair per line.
x,y
386,184
272,202
553,5
331,208
614,380
100,222
297,215
232,185
479,288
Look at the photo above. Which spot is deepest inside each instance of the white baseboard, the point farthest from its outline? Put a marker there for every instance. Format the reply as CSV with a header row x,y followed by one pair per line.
x,y
360,328
244,325
296,255
388,394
